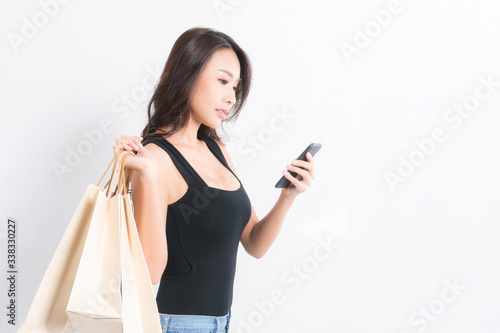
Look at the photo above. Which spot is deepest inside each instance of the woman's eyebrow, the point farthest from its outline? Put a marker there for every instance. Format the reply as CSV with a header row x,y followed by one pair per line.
x,y
228,73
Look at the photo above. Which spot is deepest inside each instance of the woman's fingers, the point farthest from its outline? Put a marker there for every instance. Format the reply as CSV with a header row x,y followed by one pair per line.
x,y
128,142
308,165
124,147
300,173
297,183
135,140
311,161
305,174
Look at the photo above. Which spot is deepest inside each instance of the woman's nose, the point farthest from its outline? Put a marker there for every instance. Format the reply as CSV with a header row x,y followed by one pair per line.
x,y
231,97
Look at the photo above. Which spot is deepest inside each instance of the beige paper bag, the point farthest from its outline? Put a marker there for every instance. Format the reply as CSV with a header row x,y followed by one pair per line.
x,y
97,280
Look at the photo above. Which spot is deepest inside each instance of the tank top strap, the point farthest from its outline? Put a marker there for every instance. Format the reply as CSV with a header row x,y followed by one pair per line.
x,y
214,147
180,162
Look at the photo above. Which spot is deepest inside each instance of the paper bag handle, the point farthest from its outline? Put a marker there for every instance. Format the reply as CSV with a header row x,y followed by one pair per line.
x,y
119,173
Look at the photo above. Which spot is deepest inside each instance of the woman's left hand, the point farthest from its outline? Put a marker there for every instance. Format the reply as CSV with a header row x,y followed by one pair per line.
x,y
304,178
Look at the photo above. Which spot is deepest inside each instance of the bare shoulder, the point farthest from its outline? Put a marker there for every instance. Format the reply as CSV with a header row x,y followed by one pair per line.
x,y
163,159
166,165
170,178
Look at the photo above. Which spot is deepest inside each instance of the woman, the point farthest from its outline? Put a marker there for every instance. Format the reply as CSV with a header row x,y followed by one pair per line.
x,y
189,205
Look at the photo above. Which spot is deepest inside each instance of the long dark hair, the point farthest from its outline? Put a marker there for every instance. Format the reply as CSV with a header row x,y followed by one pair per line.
x,y
171,97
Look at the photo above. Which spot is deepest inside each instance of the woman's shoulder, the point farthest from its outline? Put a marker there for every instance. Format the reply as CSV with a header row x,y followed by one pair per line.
x,y
162,157
170,179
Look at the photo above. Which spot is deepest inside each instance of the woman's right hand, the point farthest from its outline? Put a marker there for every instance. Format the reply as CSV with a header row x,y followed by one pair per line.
x,y
144,162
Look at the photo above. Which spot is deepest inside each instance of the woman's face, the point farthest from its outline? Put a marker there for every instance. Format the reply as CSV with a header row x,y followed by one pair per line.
x,y
215,88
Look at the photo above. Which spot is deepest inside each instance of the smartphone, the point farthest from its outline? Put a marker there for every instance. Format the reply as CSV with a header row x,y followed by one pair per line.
x,y
313,149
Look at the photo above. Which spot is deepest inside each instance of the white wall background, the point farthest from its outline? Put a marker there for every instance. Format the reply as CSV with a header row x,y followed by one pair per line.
x,y
398,252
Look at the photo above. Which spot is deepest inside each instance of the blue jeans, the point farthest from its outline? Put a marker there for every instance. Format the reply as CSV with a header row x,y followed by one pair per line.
x,y
172,323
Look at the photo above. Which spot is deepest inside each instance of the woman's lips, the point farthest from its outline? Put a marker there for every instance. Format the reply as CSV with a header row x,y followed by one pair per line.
x,y
221,113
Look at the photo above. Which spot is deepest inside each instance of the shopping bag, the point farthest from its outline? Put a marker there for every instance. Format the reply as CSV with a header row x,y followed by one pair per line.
x,y
97,280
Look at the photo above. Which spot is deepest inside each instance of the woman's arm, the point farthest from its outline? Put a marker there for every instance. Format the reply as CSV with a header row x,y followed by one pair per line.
x,y
150,218
149,197
259,235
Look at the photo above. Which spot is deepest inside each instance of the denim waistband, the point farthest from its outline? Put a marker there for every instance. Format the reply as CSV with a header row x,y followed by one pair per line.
x,y
194,322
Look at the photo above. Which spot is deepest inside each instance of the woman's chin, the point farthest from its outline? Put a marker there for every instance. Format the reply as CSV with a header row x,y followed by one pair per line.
x,y
213,125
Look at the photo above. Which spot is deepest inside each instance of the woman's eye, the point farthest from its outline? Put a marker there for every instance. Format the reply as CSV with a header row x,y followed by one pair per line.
x,y
224,82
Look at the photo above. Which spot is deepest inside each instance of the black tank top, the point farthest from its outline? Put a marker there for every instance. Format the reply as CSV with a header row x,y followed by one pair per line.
x,y
204,228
